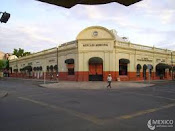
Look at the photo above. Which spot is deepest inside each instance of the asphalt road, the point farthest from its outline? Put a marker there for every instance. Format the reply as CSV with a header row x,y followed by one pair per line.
x,y
29,107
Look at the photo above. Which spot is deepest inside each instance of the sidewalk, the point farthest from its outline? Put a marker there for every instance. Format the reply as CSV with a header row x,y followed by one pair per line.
x,y
94,85
39,80
55,81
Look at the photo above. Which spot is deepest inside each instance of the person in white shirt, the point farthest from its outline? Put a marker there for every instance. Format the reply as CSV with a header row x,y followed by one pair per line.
x,y
109,79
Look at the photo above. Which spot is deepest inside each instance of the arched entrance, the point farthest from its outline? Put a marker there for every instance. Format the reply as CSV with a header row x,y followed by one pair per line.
x,y
160,70
139,67
95,69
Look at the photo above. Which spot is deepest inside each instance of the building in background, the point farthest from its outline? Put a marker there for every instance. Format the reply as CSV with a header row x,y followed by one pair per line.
x,y
2,55
94,54
4,64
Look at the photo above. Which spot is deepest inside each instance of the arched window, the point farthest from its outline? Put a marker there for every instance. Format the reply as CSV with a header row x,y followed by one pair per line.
x,y
40,68
15,70
48,68
37,68
123,66
144,71
150,71
34,68
55,67
70,66
138,69
51,68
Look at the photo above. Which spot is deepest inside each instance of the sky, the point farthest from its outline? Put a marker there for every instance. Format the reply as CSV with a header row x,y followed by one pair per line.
x,y
35,26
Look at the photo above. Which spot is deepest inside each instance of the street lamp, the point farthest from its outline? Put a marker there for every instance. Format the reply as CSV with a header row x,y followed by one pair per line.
x,y
57,65
172,64
5,17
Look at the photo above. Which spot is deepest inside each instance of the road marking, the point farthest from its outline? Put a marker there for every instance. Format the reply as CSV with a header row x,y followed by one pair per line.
x,y
148,95
165,91
140,113
40,93
84,116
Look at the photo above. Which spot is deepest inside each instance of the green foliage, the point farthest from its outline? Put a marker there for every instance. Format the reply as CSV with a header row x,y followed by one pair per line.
x,y
20,52
1,64
4,64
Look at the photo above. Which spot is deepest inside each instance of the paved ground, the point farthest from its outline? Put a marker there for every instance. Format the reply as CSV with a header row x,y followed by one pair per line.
x,y
30,107
95,85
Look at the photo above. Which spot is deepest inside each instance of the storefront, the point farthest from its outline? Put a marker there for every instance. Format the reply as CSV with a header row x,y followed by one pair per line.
x,y
94,54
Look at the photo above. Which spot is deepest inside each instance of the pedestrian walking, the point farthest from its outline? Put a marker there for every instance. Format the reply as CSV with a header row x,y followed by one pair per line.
x,y
109,79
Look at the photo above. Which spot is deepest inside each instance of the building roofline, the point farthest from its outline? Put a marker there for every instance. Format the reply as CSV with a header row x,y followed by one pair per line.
x,y
34,54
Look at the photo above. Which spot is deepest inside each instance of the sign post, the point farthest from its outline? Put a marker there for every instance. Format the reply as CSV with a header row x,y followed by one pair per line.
x,y
149,68
44,77
172,62
57,78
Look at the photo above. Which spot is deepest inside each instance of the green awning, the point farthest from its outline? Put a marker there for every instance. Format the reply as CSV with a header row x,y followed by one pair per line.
x,y
55,67
15,70
40,68
34,68
139,66
145,67
27,68
51,67
95,60
163,66
69,61
124,61
37,68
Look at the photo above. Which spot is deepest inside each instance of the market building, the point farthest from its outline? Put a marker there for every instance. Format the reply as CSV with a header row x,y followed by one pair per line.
x,y
94,54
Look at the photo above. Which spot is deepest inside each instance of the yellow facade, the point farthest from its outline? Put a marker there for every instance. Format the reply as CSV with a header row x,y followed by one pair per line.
x,y
98,42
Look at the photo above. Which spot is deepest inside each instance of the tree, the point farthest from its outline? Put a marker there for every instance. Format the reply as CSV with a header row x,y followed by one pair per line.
x,y
1,65
4,64
20,52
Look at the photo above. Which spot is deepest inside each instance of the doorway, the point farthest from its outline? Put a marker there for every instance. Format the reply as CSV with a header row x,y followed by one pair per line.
x,y
95,69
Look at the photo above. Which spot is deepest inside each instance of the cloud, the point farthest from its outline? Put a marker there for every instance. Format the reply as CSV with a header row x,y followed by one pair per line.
x,y
40,26
163,11
167,16
23,37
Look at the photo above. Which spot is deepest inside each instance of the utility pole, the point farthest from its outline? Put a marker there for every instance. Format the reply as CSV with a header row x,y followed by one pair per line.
x,y
16,68
172,64
57,65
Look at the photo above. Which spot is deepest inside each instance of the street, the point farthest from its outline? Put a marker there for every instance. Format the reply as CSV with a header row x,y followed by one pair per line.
x,y
29,107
